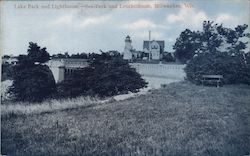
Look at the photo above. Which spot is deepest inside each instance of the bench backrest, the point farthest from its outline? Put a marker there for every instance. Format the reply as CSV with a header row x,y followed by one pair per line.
x,y
213,76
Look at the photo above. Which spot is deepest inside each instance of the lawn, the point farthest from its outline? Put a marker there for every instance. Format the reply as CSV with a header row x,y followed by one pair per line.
x,y
181,119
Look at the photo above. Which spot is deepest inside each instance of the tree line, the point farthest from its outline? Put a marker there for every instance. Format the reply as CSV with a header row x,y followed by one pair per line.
x,y
215,50
106,75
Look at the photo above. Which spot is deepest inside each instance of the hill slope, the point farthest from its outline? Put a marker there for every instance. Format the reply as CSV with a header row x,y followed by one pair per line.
x,y
181,119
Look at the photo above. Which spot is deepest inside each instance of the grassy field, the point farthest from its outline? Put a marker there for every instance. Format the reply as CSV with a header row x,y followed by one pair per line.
x,y
181,119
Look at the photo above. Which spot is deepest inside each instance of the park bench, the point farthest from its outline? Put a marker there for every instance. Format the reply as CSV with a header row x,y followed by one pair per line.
x,y
211,79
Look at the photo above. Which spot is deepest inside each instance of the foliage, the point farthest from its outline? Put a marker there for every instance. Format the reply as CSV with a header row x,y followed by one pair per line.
x,y
37,54
75,84
32,81
79,56
105,76
233,68
186,45
74,56
213,38
168,57
220,51
247,56
60,56
6,56
7,71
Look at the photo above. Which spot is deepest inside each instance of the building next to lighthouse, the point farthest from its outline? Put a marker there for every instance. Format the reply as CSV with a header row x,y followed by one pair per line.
x,y
154,49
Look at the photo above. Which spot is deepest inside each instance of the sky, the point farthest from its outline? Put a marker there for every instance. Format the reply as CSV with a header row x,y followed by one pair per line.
x,y
76,28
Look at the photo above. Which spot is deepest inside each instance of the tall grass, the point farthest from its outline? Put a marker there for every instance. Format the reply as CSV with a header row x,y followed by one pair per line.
x,y
26,108
180,119
10,108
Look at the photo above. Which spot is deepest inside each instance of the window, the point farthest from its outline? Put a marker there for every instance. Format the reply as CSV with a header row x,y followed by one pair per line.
x,y
154,47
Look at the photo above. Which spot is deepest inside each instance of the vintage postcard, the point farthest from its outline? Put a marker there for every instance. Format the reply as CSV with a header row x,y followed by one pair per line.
x,y
125,77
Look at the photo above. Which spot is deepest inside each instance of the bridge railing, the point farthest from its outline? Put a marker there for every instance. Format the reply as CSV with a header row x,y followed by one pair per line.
x,y
160,70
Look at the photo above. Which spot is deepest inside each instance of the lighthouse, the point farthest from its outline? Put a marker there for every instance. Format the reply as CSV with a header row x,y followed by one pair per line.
x,y
127,54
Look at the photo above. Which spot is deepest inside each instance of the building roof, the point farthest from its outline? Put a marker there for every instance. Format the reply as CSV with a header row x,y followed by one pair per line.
x,y
146,44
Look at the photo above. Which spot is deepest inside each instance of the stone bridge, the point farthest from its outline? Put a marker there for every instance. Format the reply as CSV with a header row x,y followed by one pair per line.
x,y
61,67
153,73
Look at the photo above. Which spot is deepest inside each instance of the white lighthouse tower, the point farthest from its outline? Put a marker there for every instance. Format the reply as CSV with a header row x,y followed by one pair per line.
x,y
127,54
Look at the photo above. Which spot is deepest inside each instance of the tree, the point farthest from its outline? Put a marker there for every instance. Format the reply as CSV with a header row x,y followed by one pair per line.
x,y
6,56
221,52
233,69
114,76
32,81
79,56
58,56
213,38
186,45
37,54
106,76
210,39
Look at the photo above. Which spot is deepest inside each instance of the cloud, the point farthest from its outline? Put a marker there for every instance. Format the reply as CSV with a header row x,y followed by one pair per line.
x,y
90,21
143,24
193,18
50,42
63,20
187,17
140,24
145,35
222,18
79,22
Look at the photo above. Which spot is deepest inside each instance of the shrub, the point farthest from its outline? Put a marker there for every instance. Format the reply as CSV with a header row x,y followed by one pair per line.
x,y
233,68
32,83
168,57
75,84
115,77
7,71
105,76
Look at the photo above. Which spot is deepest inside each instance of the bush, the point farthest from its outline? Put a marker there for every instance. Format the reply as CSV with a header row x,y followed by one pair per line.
x,y
233,68
105,76
115,77
168,57
75,84
32,83
7,72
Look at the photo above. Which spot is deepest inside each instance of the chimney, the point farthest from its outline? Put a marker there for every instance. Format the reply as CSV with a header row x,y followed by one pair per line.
x,y
149,47
149,35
